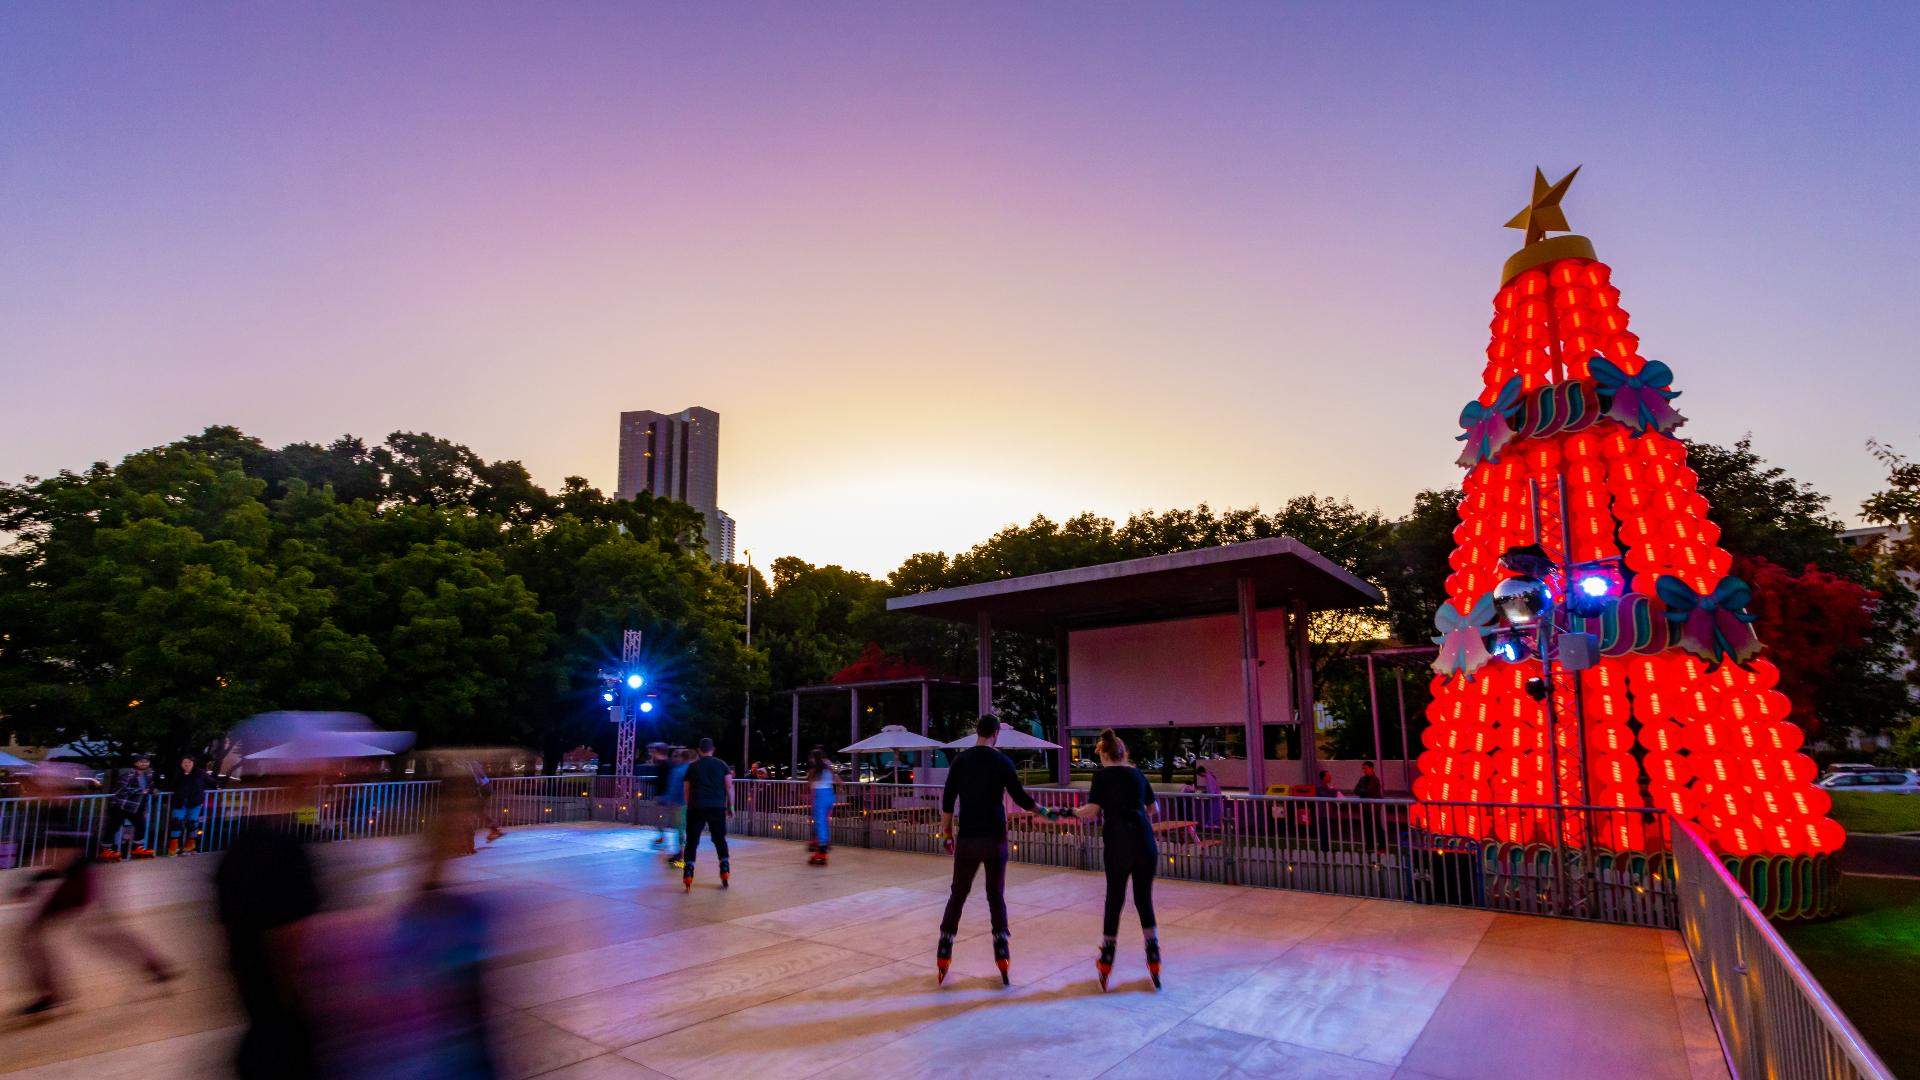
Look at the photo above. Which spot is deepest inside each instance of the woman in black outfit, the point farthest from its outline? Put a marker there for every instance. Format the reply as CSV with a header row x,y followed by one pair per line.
x,y
1123,799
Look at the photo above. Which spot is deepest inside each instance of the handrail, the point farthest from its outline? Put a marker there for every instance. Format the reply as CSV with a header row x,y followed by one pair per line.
x,y
1773,1017
1397,849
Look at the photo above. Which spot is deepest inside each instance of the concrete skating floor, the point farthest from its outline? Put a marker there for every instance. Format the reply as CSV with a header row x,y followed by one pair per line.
x,y
609,971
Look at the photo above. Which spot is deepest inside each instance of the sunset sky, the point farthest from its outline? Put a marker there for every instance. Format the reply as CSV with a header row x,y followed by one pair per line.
x,y
939,268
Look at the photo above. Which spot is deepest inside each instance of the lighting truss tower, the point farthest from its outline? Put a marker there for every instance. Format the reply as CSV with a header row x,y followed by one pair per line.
x,y
628,718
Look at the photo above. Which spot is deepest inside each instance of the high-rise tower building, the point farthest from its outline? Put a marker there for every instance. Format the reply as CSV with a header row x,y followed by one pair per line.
x,y
677,456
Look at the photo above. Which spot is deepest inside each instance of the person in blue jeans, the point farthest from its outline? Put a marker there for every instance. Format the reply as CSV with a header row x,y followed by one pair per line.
x,y
188,787
820,781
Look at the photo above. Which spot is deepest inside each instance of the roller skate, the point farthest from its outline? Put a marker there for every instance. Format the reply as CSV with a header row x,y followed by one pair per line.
x,y
1153,958
1002,957
942,959
1104,964
726,875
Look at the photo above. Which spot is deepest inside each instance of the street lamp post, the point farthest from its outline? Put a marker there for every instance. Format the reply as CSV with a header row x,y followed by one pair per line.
x,y
746,710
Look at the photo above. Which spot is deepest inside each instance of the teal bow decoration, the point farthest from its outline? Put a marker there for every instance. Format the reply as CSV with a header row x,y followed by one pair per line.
x,y
1711,626
1488,427
1638,401
1462,638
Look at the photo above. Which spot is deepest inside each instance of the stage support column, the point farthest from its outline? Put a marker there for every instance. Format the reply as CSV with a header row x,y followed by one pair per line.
x,y
1250,675
1062,702
984,684
1303,697
925,757
1406,761
1373,700
795,774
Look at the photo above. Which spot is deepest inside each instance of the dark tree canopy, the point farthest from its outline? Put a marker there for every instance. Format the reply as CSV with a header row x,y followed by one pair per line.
x,y
152,603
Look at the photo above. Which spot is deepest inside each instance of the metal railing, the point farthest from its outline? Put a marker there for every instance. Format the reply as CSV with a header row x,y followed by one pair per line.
x,y
332,812
1375,848
1773,1018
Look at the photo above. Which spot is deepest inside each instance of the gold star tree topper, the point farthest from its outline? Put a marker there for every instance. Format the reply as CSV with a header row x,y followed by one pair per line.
x,y
1543,214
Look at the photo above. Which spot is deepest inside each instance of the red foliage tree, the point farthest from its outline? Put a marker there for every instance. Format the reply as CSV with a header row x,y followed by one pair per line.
x,y
1810,618
875,665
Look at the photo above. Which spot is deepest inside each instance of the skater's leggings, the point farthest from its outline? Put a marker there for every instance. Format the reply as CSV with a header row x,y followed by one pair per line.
x,y
706,817
822,812
969,855
1119,872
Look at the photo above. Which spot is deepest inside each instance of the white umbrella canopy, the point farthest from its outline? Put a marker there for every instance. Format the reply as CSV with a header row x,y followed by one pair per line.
x,y
1010,738
320,746
891,737
8,761
270,729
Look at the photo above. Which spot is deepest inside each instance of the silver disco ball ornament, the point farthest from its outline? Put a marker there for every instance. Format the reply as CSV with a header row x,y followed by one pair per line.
x,y
1522,601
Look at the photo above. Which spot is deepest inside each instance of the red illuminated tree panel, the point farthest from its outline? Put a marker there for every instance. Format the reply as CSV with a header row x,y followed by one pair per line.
x,y
1678,713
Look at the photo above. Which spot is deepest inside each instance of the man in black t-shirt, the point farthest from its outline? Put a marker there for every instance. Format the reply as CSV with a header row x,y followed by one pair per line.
x,y
709,791
981,779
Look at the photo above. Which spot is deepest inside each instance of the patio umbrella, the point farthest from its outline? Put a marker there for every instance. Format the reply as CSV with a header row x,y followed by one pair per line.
x,y
8,761
269,729
892,737
1010,738
320,746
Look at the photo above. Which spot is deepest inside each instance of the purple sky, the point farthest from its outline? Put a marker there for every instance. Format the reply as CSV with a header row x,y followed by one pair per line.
x,y
938,268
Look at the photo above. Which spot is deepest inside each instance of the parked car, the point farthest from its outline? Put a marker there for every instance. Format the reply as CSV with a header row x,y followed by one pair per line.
x,y
1891,781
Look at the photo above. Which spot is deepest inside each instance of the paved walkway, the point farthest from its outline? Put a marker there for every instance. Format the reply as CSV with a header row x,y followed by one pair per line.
x,y
799,972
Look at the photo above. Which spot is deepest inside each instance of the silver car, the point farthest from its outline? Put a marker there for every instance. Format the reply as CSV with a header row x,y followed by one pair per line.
x,y
1891,781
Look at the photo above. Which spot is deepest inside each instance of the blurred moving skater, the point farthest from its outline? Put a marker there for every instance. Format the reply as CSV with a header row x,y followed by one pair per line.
x,y
981,779
820,783
1123,800
70,893
265,887
675,800
709,794
404,996
654,775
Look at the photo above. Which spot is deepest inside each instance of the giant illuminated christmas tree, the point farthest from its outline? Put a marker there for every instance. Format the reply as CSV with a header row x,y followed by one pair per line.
x,y
1594,650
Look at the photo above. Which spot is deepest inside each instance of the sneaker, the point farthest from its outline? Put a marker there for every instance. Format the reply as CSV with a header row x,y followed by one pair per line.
x,y
141,851
107,854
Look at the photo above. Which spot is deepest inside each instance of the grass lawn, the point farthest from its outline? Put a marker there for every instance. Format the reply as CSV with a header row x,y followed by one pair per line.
x,y
1871,812
1868,959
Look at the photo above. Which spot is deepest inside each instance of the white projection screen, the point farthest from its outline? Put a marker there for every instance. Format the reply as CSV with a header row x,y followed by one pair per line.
x,y
1184,672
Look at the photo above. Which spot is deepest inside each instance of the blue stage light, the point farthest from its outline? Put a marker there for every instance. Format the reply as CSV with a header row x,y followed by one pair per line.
x,y
635,682
606,695
646,706
1596,585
